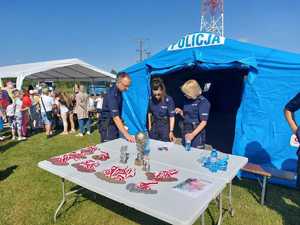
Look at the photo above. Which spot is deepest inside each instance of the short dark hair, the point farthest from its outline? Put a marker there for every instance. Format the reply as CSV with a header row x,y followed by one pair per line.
x,y
122,75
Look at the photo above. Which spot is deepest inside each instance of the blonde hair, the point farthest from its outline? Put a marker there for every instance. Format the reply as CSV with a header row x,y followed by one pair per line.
x,y
45,91
191,88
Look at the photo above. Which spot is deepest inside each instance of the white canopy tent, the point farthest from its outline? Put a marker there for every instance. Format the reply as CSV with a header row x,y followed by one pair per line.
x,y
68,69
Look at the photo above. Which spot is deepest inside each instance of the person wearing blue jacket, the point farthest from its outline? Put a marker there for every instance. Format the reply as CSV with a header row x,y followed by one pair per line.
x,y
161,113
291,107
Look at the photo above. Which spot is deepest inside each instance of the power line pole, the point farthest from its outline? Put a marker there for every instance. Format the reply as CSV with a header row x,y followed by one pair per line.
x,y
141,50
148,54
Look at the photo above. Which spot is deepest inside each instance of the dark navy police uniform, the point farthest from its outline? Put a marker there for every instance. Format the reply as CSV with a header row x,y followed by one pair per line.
x,y
195,111
112,106
293,105
161,112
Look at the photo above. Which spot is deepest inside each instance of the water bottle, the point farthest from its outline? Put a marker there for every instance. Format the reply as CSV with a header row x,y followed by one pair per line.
x,y
213,156
147,148
223,162
187,145
214,161
223,165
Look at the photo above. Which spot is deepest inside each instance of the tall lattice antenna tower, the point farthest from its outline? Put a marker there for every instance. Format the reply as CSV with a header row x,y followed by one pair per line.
x,y
212,16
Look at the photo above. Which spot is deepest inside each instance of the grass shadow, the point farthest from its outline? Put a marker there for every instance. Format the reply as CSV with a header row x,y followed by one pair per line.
x,y
7,172
285,201
116,207
7,145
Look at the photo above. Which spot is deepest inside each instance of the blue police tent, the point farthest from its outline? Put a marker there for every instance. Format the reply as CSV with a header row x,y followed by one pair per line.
x,y
250,83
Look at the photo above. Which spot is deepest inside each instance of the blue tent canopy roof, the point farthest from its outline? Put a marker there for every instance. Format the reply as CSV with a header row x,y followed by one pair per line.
x,y
273,79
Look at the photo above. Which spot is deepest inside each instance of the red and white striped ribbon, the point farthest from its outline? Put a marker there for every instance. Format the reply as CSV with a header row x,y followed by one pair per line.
x,y
118,173
145,185
89,164
165,174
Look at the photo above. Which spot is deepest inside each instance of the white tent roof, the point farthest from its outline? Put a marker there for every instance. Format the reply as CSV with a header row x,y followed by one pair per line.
x,y
68,69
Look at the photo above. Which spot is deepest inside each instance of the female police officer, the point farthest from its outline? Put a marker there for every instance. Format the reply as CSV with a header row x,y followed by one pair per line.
x,y
161,114
195,114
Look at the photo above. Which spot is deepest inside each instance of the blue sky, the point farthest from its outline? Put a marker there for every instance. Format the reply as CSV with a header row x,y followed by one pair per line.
x,y
105,33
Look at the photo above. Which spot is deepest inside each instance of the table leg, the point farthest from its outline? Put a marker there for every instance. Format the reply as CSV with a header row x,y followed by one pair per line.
x,y
231,209
203,218
63,199
263,192
220,209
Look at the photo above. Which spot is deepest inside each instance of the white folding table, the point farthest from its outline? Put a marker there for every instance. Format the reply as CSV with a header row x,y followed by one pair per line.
x,y
163,205
176,155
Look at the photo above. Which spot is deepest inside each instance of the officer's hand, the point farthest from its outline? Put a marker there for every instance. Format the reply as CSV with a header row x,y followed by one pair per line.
x,y
172,137
179,111
189,136
129,138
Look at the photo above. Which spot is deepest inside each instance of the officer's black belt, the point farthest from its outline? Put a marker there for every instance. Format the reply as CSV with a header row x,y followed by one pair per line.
x,y
160,120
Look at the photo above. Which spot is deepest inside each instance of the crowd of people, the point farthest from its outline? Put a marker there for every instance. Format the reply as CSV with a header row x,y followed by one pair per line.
x,y
29,110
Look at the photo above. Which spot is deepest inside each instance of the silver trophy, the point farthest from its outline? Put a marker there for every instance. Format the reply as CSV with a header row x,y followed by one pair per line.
x,y
141,139
146,164
124,155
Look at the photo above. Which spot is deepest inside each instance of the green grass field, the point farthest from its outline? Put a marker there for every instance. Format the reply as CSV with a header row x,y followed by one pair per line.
x,y
29,195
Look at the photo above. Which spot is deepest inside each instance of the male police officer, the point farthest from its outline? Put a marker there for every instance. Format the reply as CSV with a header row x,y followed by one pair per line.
x,y
292,106
110,122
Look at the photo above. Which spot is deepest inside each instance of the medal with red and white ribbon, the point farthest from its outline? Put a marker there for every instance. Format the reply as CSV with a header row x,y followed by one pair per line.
x,y
118,173
165,174
89,150
145,186
88,165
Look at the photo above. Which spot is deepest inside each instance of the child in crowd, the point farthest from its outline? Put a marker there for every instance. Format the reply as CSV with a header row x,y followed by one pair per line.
x,y
1,122
18,114
10,113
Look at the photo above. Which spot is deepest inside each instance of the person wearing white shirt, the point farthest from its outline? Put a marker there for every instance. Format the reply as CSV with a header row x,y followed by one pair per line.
x,y
64,111
46,105
99,103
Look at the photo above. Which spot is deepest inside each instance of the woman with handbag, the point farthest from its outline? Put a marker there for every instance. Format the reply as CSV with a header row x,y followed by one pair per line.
x,y
46,105
81,109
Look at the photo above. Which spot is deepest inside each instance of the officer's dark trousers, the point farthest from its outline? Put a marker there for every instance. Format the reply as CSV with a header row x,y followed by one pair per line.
x,y
160,131
108,132
198,141
298,162
298,170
